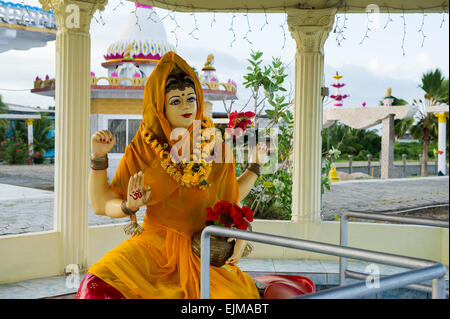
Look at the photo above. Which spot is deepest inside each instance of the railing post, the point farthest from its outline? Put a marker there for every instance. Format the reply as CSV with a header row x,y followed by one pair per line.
x,y
204,264
420,163
350,163
438,290
369,162
344,243
404,164
436,169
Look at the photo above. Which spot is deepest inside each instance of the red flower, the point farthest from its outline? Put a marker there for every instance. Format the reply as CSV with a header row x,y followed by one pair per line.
x,y
229,215
236,215
240,120
211,215
248,213
441,152
242,226
225,221
249,114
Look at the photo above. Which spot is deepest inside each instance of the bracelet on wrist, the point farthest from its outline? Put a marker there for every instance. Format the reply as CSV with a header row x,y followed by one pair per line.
x,y
99,163
126,210
255,168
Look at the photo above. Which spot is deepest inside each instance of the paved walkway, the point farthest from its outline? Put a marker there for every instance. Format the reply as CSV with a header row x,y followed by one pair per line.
x,y
25,209
384,195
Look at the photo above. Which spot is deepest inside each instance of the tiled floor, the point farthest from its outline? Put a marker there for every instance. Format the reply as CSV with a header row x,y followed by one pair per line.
x,y
321,272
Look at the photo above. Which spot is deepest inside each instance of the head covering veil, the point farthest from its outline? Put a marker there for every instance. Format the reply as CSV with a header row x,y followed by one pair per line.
x,y
154,118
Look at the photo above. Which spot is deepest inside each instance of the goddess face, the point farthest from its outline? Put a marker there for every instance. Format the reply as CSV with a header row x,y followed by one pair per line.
x,y
181,107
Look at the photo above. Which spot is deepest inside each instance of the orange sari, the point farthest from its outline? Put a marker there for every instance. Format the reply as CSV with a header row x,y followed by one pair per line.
x,y
159,263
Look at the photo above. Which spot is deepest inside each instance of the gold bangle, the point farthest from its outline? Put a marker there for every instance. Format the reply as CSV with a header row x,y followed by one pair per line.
x,y
126,210
99,163
255,168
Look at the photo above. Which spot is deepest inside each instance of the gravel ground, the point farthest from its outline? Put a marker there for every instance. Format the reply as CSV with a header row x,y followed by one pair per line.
x,y
35,176
36,213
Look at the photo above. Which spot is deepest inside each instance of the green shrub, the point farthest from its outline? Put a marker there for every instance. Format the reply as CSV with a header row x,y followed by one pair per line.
x,y
14,151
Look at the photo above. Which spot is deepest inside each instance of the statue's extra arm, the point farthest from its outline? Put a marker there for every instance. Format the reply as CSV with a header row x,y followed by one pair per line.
x,y
248,178
245,183
102,199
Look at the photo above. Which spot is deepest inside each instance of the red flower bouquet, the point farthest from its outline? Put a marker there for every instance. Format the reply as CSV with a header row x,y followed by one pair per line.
x,y
239,121
227,215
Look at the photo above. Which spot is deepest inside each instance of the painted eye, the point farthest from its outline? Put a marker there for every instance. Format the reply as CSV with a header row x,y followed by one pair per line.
x,y
191,99
175,102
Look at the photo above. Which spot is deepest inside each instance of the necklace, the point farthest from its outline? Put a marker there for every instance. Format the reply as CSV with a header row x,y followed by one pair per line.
x,y
188,174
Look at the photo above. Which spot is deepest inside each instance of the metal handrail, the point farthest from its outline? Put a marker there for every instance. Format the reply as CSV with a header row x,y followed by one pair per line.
x,y
385,283
364,276
426,271
381,217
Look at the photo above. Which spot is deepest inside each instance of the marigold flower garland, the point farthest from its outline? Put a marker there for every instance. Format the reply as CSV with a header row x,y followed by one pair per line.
x,y
190,174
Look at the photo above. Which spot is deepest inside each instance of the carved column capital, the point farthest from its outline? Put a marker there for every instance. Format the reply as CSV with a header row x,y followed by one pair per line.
x,y
310,28
73,15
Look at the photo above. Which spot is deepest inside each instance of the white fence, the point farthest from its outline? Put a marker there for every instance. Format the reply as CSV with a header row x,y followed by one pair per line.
x,y
14,13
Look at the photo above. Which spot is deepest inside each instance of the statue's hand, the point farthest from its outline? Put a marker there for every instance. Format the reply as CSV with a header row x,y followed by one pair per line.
x,y
237,252
102,142
259,154
137,195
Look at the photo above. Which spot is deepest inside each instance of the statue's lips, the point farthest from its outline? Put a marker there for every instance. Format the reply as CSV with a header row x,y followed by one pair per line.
x,y
187,115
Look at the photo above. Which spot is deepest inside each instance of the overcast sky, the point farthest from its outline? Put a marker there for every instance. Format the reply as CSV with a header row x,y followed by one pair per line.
x,y
368,68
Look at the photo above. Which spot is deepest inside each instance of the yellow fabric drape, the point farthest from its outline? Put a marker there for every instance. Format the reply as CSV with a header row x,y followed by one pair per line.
x,y
159,263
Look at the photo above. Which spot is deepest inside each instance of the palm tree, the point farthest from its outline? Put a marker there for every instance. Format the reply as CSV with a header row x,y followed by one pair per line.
x,y
435,87
445,87
351,141
401,127
41,140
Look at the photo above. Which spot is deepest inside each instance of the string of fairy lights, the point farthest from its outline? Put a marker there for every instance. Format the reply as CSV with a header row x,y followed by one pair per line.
x,y
249,29
368,22
340,26
232,30
389,19
421,29
339,29
283,28
195,26
404,33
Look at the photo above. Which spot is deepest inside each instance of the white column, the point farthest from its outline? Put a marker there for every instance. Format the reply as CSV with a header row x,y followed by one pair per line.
x,y
30,138
310,29
387,147
442,164
72,122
